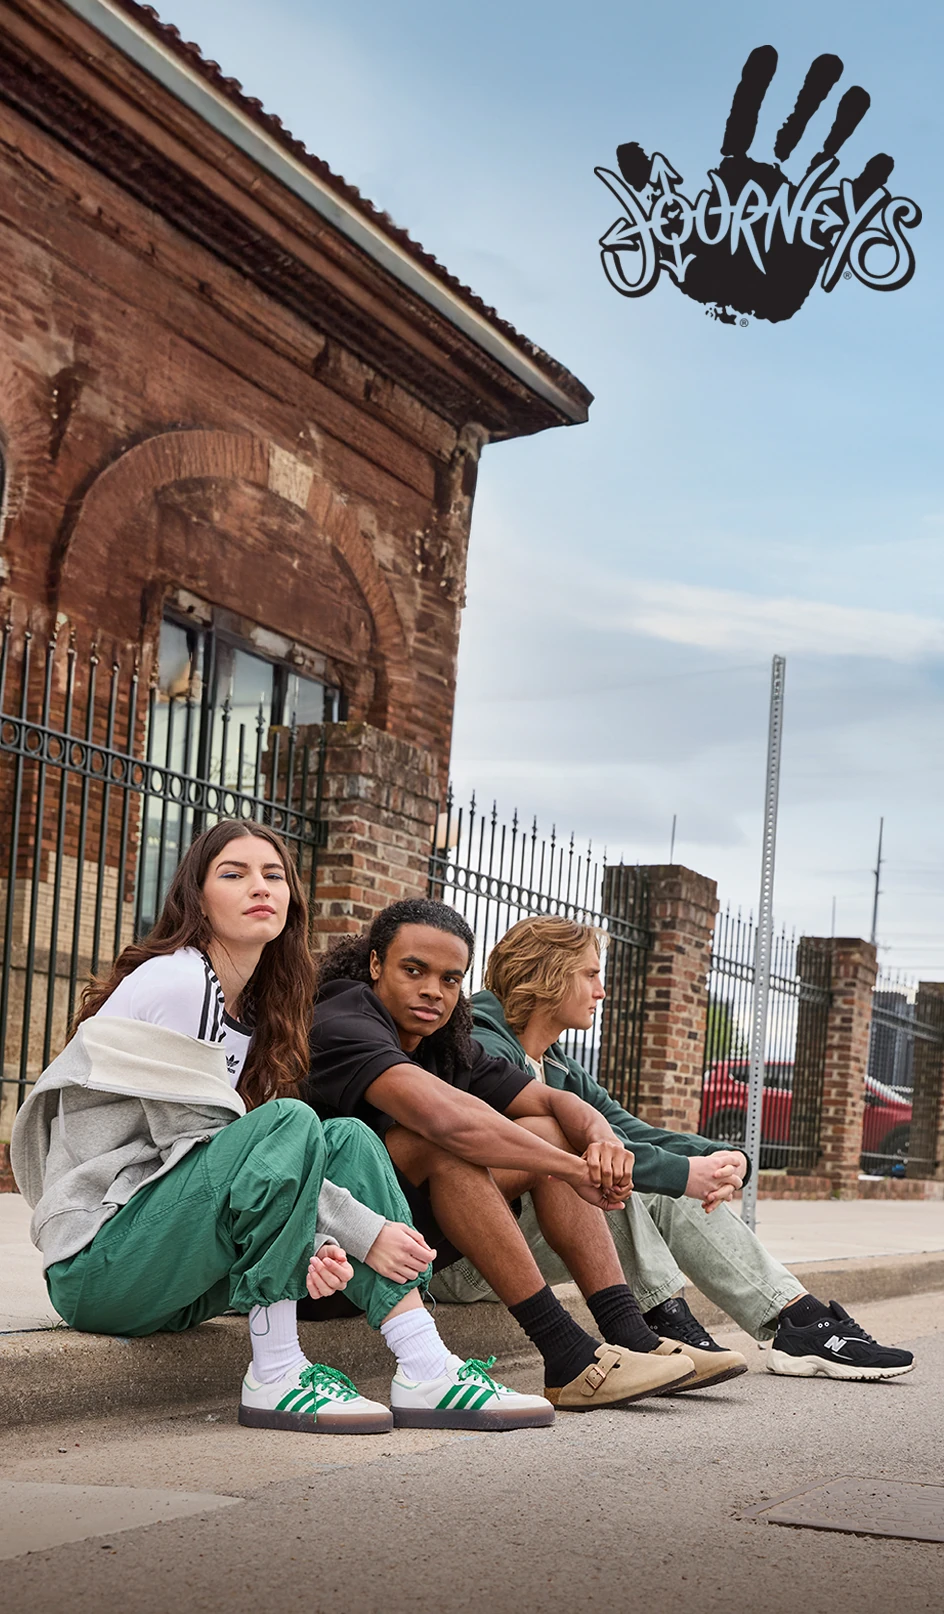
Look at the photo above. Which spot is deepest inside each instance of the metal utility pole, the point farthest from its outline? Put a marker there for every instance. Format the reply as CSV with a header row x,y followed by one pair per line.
x,y
763,944
672,842
877,871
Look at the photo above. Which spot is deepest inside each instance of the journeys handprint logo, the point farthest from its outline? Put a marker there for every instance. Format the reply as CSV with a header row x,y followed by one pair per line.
x,y
754,242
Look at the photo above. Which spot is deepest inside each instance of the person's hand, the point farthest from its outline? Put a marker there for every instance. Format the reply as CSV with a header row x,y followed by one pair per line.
x,y
607,1198
399,1252
610,1165
715,1178
597,1196
328,1271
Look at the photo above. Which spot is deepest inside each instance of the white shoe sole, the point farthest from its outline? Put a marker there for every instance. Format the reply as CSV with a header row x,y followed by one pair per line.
x,y
810,1367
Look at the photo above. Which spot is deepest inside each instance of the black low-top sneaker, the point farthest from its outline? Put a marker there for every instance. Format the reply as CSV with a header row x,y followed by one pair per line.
x,y
835,1346
673,1320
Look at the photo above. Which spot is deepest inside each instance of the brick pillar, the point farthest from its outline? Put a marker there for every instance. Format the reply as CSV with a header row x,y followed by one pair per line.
x,y
380,802
682,908
848,1024
927,1119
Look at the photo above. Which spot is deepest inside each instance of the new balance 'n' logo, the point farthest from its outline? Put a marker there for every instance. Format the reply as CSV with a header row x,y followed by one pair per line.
x,y
835,1343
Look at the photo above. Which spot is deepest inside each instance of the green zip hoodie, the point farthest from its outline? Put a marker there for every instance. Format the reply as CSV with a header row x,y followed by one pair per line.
x,y
661,1165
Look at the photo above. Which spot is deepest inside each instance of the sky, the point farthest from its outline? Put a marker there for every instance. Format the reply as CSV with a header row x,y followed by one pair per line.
x,y
737,492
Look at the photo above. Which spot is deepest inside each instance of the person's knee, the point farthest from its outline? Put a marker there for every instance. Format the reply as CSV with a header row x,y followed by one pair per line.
x,y
423,1161
277,1114
349,1139
281,1129
544,1126
345,1132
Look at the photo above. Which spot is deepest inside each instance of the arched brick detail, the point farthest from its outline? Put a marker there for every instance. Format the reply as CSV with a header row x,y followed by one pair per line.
x,y
121,509
339,520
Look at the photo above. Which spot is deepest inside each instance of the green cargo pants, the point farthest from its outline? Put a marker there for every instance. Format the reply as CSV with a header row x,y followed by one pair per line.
x,y
231,1226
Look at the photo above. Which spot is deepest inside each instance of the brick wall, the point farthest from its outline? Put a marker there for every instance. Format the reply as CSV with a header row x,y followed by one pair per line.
x,y
380,803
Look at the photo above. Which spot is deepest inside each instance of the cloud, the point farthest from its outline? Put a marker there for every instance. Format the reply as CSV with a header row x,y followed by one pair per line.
x,y
720,619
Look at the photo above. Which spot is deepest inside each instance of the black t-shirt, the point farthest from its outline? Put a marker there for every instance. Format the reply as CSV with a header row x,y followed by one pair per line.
x,y
354,1040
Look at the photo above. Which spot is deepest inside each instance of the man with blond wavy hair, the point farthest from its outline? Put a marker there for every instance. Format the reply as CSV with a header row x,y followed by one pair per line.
x,y
545,978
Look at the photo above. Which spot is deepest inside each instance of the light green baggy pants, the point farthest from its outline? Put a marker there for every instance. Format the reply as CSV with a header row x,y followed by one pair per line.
x,y
661,1241
232,1225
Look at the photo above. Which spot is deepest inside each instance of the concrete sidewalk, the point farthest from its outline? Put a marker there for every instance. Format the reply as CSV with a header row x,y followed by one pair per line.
x,y
848,1251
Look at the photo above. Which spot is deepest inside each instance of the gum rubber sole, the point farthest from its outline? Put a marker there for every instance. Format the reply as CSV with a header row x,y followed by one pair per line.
x,y
302,1423
484,1420
707,1381
811,1367
589,1405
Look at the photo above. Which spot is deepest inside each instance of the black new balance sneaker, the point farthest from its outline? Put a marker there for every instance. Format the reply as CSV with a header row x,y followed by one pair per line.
x,y
673,1320
835,1346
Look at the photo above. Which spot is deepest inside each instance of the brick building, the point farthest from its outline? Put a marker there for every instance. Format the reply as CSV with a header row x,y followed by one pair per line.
x,y
230,388
241,414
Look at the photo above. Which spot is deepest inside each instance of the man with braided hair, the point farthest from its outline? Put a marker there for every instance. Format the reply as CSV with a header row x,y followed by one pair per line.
x,y
469,1134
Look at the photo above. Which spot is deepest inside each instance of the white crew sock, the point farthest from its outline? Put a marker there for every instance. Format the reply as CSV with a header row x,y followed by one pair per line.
x,y
275,1347
414,1340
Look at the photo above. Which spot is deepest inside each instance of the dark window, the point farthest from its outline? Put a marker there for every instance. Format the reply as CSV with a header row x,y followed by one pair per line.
x,y
216,701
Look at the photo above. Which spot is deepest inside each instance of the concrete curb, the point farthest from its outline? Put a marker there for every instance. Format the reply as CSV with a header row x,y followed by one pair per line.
x,y
57,1373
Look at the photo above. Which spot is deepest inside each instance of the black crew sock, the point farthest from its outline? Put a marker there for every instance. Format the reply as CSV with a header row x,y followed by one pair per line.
x,y
617,1315
805,1309
566,1347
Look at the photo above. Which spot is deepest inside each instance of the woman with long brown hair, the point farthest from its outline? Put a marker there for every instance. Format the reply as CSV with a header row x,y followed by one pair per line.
x,y
175,1175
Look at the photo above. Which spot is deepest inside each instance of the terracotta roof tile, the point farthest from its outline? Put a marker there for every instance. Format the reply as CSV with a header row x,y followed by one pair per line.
x,y
253,108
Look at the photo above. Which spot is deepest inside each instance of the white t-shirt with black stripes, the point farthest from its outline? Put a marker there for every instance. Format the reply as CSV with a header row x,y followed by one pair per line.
x,y
181,991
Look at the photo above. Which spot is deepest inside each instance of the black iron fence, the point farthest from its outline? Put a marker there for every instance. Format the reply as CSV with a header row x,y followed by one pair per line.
x,y
496,874
795,1055
102,788
903,1085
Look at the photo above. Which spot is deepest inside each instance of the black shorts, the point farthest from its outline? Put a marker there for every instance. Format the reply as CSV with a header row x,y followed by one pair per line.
x,y
421,1215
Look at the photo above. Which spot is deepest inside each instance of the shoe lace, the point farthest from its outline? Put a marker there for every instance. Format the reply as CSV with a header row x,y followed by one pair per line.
x,y
689,1331
474,1369
321,1377
849,1327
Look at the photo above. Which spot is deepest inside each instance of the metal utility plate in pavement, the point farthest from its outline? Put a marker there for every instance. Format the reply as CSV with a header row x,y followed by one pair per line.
x,y
34,1517
874,1507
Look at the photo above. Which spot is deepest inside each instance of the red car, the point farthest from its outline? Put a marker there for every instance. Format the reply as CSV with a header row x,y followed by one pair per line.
x,y
886,1127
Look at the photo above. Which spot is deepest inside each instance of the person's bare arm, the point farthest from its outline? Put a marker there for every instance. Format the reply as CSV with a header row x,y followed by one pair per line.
x,y
587,1131
468,1127
580,1123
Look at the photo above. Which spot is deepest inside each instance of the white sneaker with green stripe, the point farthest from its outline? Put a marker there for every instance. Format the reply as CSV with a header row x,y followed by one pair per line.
x,y
313,1400
465,1397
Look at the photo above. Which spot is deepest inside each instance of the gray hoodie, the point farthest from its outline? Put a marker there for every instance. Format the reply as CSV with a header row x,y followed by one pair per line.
x,y
122,1104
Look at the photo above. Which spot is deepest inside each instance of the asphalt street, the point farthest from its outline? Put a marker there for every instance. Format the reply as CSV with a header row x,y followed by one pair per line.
x,y
643,1508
